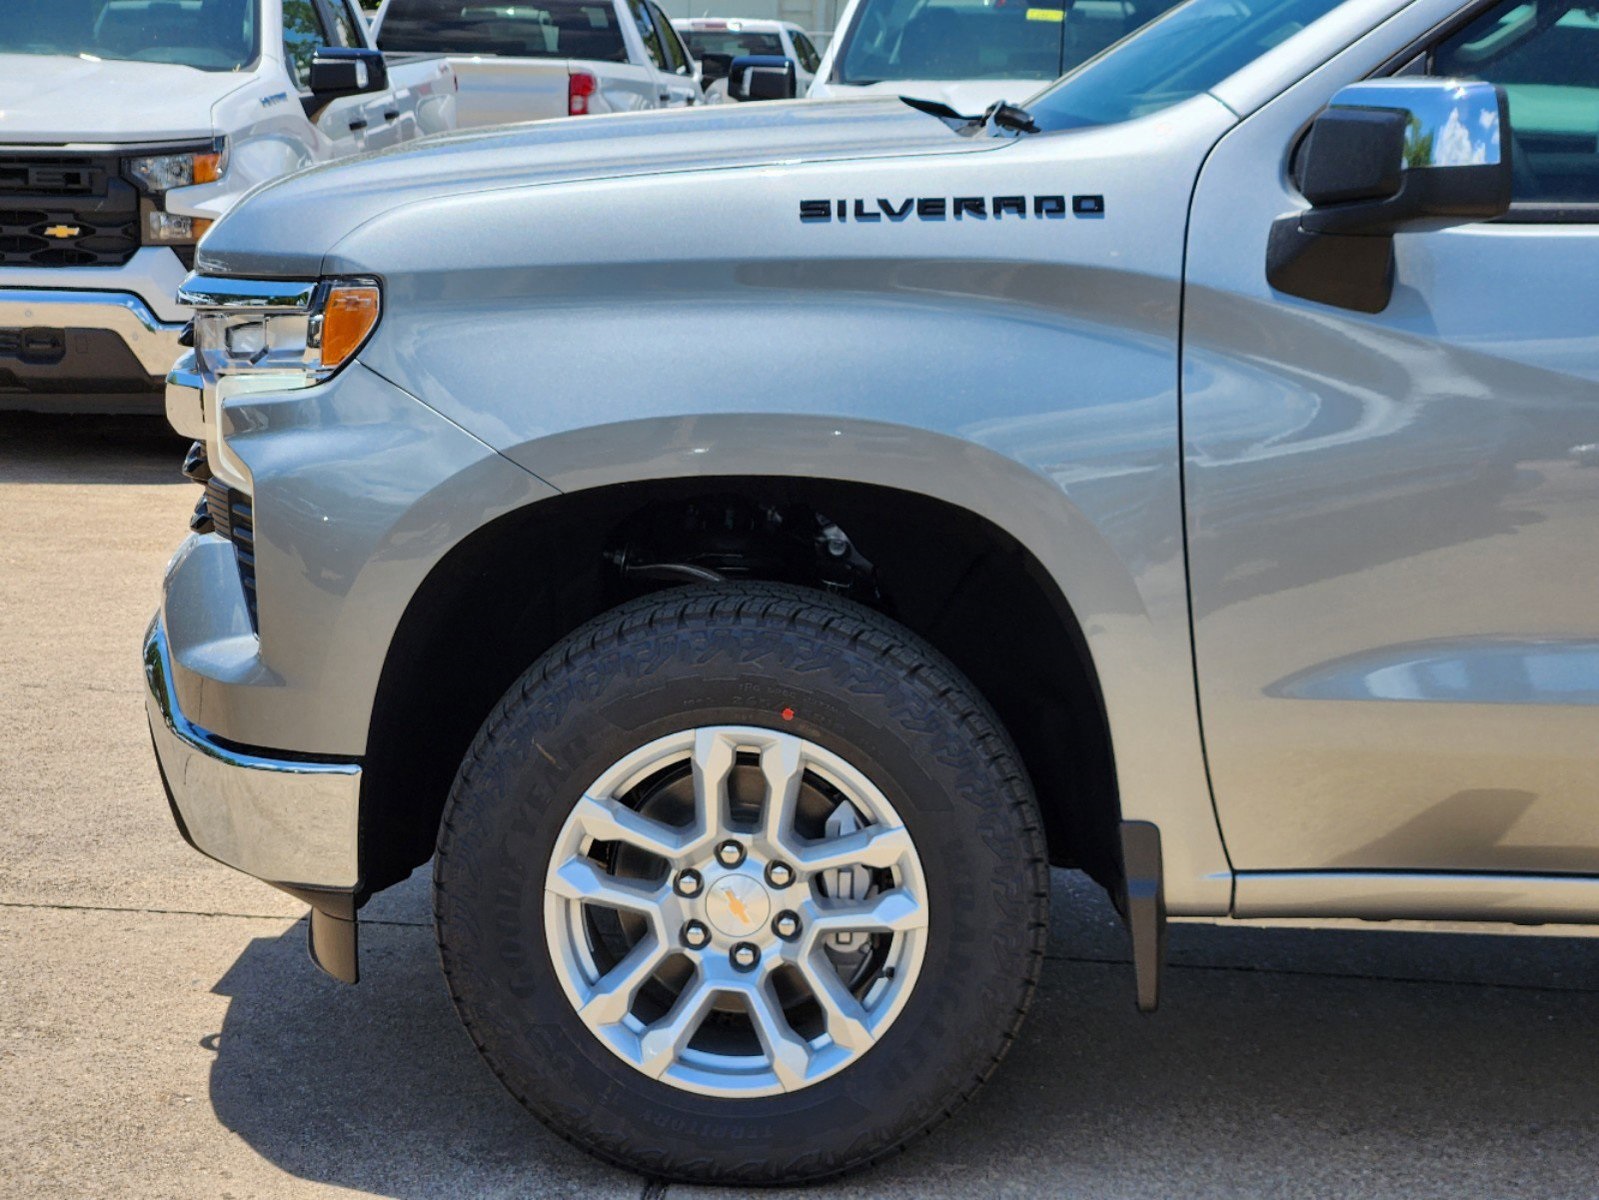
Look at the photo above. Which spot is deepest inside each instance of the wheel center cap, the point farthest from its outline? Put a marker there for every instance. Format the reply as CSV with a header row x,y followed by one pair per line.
x,y
737,906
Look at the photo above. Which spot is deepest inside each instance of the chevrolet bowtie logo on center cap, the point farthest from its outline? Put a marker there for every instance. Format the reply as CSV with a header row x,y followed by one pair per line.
x,y
737,905
62,231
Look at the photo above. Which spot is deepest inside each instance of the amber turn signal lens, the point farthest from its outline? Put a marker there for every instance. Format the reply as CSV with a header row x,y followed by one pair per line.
x,y
350,315
207,168
200,225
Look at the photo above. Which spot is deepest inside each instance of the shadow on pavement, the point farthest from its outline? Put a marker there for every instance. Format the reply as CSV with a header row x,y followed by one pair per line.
x,y
80,449
1316,1077
377,1087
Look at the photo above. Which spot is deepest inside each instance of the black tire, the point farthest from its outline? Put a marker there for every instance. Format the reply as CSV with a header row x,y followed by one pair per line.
x,y
860,686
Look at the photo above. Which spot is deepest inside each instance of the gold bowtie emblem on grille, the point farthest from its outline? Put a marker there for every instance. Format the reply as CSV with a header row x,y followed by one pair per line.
x,y
62,231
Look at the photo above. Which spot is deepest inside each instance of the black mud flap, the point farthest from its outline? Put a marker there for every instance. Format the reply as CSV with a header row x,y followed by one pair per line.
x,y
333,943
1144,907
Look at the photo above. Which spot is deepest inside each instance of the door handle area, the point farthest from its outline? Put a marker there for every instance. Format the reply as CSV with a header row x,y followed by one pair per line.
x,y
357,126
392,114
664,97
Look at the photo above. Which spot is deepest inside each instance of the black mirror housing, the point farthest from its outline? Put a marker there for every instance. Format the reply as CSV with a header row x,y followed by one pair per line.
x,y
715,66
1387,157
1352,154
762,77
339,71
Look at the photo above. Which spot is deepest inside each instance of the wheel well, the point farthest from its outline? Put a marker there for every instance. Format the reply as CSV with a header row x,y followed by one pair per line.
x,y
517,586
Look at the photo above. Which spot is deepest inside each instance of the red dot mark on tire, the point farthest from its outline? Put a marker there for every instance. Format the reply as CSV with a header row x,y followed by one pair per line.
x,y
788,714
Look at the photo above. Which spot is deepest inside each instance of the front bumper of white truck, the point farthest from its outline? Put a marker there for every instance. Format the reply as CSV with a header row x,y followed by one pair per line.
x,y
90,339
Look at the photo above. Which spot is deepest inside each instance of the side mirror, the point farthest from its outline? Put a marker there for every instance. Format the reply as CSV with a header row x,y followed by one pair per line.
x,y
1388,156
762,77
337,71
715,66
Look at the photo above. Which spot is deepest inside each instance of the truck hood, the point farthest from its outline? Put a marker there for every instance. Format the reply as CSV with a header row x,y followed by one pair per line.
x,y
286,228
52,99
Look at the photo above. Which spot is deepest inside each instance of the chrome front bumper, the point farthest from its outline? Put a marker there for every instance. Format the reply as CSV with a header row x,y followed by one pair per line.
x,y
294,824
154,342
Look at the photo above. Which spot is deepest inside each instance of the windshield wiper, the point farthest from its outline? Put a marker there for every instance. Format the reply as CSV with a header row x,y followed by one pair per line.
x,y
936,108
1010,117
1001,115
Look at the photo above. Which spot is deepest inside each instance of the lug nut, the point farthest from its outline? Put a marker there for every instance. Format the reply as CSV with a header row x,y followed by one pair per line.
x,y
744,956
786,925
779,874
730,854
695,935
688,883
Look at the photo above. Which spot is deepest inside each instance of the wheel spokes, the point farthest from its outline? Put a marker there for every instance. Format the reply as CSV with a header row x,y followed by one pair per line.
x,y
583,881
877,847
788,1053
843,1015
715,755
611,821
783,767
894,911
660,1045
733,903
612,997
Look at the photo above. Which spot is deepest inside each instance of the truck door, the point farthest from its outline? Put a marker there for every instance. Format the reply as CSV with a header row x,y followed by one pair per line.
x,y
682,88
660,93
340,128
380,110
1393,519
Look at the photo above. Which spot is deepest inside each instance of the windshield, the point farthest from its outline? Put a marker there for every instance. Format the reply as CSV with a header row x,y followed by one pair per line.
x,y
1192,49
209,35
702,42
548,29
970,39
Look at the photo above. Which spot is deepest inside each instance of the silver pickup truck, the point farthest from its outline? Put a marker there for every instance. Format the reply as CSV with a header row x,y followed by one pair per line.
x,y
1190,479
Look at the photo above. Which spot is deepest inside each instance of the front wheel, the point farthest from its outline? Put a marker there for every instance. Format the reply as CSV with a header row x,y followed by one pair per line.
x,y
741,884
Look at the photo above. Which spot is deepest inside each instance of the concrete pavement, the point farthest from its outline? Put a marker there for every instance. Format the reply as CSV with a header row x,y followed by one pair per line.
x,y
162,1034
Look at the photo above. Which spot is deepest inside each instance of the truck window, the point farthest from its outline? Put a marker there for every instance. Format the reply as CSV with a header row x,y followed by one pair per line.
x,y
676,56
809,59
704,41
646,30
547,29
1189,50
303,34
209,35
1546,57
342,25
974,39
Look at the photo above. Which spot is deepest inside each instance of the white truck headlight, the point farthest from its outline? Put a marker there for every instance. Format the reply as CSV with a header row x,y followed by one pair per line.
x,y
172,229
158,173
298,334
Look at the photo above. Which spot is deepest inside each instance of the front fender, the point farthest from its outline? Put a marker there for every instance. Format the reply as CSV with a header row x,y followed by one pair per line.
x,y
1119,567
1022,365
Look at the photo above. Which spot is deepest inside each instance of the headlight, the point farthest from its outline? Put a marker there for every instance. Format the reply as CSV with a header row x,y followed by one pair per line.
x,y
299,334
171,229
157,173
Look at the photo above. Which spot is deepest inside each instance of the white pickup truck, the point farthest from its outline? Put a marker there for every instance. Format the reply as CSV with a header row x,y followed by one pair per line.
x,y
553,58
969,54
126,128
